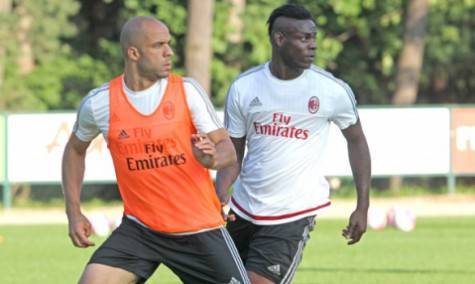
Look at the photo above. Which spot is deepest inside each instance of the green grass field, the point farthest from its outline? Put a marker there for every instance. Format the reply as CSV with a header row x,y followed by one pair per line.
x,y
440,250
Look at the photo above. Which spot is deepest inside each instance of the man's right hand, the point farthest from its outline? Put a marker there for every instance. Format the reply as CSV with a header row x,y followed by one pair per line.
x,y
79,230
204,150
228,217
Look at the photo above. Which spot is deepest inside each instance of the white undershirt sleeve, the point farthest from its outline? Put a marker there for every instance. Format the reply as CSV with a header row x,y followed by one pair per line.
x,y
202,111
85,127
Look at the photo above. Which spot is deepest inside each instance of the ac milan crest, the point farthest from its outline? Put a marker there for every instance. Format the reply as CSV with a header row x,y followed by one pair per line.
x,y
313,104
168,110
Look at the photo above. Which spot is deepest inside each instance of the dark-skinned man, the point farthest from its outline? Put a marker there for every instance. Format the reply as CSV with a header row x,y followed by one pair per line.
x,y
281,112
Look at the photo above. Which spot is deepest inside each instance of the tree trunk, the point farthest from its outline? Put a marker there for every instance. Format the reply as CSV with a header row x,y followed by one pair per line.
x,y
410,62
5,8
25,60
235,21
198,49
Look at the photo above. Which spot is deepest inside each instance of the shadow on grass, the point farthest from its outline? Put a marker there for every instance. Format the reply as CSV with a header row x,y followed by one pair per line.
x,y
386,270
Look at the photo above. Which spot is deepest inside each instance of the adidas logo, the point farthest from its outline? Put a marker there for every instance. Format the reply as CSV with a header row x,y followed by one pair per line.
x,y
234,281
274,269
255,102
123,135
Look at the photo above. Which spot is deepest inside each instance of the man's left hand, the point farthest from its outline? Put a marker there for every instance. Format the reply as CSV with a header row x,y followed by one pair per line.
x,y
356,227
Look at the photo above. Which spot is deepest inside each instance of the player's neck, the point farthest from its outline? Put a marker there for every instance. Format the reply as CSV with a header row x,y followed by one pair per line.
x,y
282,71
137,83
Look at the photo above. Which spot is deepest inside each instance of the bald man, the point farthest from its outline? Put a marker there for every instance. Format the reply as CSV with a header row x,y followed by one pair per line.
x,y
163,136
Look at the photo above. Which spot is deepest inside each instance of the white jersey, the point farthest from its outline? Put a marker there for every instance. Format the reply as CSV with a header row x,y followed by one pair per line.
x,y
93,114
286,124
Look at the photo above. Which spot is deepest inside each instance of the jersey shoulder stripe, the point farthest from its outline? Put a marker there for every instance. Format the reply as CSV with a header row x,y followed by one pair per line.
x,y
93,93
340,82
249,72
206,100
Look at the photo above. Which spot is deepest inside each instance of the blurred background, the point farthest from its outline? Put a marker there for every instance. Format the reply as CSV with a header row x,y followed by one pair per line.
x,y
54,51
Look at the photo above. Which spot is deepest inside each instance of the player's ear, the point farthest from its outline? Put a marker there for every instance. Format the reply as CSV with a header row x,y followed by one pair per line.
x,y
278,38
133,53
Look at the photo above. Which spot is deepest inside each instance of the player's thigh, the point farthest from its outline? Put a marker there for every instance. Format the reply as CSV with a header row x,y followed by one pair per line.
x,y
210,257
276,250
96,273
131,248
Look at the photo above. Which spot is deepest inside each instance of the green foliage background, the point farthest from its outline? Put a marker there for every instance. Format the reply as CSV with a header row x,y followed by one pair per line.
x,y
75,47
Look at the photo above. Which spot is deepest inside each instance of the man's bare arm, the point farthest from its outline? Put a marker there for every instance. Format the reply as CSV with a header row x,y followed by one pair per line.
x,y
360,162
73,167
226,176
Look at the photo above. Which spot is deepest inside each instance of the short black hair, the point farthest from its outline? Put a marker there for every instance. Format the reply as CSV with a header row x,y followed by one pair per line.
x,y
293,11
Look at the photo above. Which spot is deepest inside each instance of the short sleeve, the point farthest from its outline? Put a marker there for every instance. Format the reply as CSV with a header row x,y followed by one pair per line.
x,y
234,120
345,113
85,127
202,111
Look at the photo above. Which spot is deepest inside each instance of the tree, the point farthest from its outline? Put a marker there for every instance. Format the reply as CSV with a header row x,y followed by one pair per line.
x,y
73,46
25,58
410,62
412,54
198,50
448,75
235,21
33,46
5,8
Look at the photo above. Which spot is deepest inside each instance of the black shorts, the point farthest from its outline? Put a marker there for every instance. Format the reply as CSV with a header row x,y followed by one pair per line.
x,y
272,251
207,257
